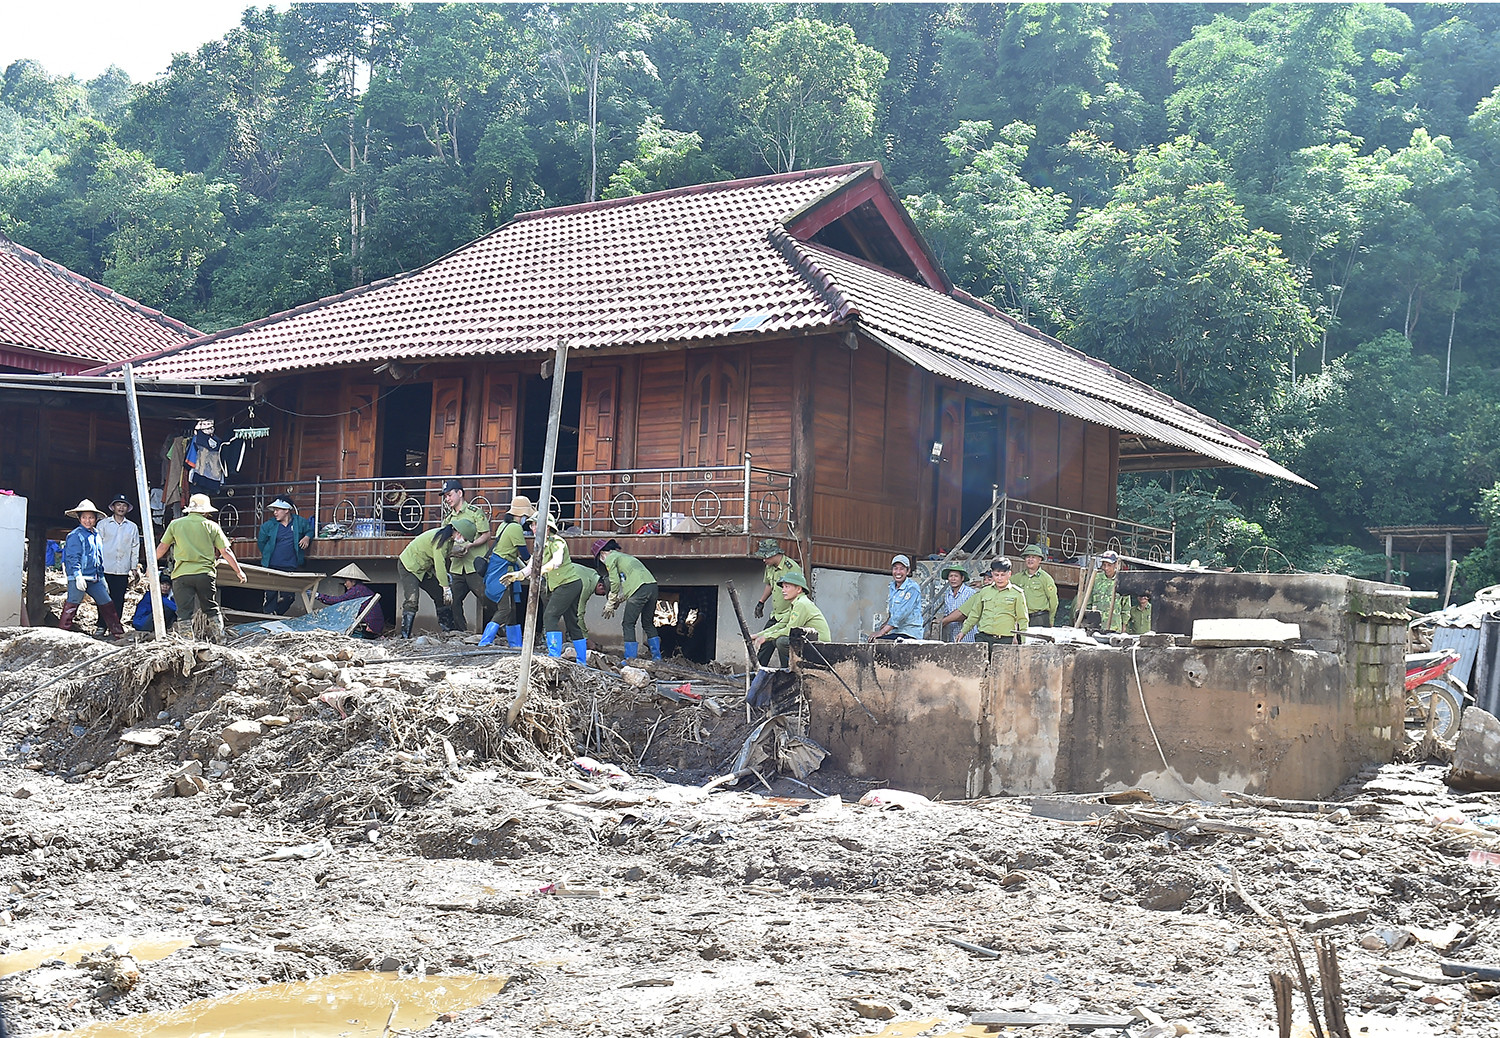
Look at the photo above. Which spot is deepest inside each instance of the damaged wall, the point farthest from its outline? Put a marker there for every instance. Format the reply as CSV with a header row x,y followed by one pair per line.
x,y
959,721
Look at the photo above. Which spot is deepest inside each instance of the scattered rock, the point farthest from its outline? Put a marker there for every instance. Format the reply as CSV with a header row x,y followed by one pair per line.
x,y
1476,753
25,792
233,809
241,735
872,1010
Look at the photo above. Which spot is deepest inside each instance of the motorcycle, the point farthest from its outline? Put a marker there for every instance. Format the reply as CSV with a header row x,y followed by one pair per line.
x,y
1433,695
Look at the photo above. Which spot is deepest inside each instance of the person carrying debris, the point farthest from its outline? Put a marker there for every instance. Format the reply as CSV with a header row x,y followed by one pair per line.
x,y
777,565
956,592
1112,607
423,566
998,611
468,560
1038,587
801,612
120,541
353,578
142,620
564,589
283,540
903,617
508,555
197,543
83,566
630,582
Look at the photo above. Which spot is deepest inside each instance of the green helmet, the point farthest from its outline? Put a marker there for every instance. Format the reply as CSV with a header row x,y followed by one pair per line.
x,y
465,528
1034,549
794,577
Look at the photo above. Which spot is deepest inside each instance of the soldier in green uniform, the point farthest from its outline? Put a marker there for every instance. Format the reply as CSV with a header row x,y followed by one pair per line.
x,y
998,611
1113,608
1038,587
423,566
800,611
777,566
468,560
630,582
1139,621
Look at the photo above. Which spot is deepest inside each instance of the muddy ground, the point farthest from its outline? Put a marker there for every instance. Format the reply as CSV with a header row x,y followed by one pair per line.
x,y
371,811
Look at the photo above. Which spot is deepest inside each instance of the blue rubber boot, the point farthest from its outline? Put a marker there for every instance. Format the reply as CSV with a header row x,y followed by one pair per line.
x,y
631,649
513,635
491,632
655,644
581,650
554,643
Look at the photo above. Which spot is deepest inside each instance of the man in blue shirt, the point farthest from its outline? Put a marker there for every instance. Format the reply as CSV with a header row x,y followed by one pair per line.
x,y
283,542
142,620
903,618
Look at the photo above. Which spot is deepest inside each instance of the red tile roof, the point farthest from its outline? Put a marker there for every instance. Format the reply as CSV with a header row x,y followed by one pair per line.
x,y
687,265
53,320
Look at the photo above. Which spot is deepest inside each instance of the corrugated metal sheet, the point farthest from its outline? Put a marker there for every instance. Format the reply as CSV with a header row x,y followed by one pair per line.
x,y
1465,640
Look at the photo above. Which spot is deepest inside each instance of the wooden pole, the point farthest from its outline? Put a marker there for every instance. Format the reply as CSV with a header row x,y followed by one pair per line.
x,y
143,494
543,507
1085,586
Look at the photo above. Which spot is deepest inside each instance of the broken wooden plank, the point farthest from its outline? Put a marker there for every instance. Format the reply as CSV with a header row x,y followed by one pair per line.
x,y
1315,807
1056,1019
1468,970
1180,822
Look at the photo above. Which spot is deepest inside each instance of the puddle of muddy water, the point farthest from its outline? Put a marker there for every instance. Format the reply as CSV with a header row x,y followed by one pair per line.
x,y
345,1005
924,1028
144,949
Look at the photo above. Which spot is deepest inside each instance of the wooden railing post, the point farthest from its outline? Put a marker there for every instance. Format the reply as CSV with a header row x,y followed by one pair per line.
x,y
745,509
317,504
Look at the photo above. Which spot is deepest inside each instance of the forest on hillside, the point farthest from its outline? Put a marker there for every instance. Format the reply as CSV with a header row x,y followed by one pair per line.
x,y
1283,215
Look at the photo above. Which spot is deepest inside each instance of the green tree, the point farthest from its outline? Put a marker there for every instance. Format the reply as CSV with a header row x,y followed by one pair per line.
x,y
663,159
809,91
1170,283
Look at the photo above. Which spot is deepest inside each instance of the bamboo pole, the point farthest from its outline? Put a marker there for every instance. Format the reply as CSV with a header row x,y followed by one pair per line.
x,y
543,507
143,494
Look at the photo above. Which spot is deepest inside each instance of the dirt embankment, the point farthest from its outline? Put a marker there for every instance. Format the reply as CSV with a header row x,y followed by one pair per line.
x,y
309,806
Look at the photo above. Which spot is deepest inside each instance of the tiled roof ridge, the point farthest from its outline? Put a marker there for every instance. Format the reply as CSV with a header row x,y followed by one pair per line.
x,y
694,189
1036,333
57,270
822,282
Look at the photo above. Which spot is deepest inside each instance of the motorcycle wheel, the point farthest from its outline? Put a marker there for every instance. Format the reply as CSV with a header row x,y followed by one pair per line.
x,y
1445,706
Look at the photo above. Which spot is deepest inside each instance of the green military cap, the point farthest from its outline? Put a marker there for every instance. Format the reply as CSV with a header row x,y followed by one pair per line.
x,y
794,576
768,547
1034,549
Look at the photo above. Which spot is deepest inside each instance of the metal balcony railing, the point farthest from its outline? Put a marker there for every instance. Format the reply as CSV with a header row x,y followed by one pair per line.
x,y
723,499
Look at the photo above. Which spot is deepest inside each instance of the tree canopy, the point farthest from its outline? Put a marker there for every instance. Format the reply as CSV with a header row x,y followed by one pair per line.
x,y
1282,214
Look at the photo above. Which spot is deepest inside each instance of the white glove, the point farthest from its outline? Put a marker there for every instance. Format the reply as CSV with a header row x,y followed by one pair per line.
x,y
447,596
81,582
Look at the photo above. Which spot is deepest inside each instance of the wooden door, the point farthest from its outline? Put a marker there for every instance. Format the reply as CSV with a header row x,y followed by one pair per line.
x,y
598,418
357,449
447,409
950,478
497,423
714,431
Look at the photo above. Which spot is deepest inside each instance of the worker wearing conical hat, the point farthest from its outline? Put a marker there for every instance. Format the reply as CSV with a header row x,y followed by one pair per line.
x,y
355,587
83,565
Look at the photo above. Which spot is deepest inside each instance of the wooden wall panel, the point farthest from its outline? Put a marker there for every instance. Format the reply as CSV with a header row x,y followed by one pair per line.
x,y
906,455
861,521
768,426
1018,464
1097,464
867,425
1044,455
831,371
1070,462
318,439
658,437
714,412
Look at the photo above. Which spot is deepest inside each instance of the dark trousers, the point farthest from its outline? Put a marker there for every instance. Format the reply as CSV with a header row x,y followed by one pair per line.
x,y
117,584
462,584
411,587
511,609
197,593
1039,619
278,602
562,610
641,606
781,646
994,639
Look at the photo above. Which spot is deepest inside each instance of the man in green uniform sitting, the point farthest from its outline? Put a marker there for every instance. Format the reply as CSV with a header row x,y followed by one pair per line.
x,y
1038,587
800,612
1113,608
630,582
998,611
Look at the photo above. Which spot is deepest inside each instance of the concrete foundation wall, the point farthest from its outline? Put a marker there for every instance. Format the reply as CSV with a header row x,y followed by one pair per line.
x,y
964,721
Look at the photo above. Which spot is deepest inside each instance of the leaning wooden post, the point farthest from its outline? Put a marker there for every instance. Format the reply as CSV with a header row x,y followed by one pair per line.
x,y
750,658
143,493
539,525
